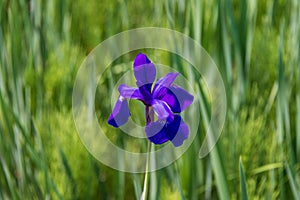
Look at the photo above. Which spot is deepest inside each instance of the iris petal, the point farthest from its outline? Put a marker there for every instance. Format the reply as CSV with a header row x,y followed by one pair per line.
x,y
144,71
162,110
164,83
177,98
120,113
155,132
140,59
130,92
176,131
145,90
182,134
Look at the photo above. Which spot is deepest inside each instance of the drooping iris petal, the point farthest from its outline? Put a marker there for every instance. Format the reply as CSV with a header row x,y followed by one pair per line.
x,y
174,130
177,98
120,113
155,132
182,134
164,83
130,92
162,110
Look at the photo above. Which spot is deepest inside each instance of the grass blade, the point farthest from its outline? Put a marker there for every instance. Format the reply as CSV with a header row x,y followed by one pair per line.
x,y
243,185
293,184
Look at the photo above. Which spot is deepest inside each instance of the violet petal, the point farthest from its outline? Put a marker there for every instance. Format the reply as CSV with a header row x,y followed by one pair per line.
x,y
144,71
130,92
145,91
162,110
163,83
177,98
120,113
181,135
176,131
155,132
140,59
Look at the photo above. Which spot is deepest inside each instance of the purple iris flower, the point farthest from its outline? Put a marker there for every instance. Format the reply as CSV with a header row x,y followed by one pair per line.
x,y
165,100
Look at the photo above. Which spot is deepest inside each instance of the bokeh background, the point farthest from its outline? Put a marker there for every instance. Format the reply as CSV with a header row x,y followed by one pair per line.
x,y
255,44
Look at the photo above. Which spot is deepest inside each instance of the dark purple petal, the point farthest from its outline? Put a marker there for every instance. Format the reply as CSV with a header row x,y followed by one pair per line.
x,y
161,109
130,92
144,72
140,59
177,98
155,132
174,130
181,135
120,113
164,82
145,90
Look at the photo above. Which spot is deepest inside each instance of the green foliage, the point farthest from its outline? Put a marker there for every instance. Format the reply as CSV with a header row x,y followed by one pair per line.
x,y
255,45
74,178
60,74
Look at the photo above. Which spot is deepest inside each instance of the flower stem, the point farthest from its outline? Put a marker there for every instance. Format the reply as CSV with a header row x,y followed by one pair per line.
x,y
145,190
149,118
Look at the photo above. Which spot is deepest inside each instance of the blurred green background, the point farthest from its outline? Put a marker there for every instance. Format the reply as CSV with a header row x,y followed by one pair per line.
x,y
255,44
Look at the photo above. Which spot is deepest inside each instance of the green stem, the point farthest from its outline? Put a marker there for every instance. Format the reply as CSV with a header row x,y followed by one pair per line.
x,y
145,190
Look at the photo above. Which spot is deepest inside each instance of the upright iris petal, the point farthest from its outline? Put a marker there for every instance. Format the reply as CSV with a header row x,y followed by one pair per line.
x,y
164,100
144,72
141,59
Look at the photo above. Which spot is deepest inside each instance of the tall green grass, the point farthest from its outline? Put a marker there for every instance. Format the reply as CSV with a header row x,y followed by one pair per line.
x,y
255,44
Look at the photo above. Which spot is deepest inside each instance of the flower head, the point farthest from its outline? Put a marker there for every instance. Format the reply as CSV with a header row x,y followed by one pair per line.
x,y
166,100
